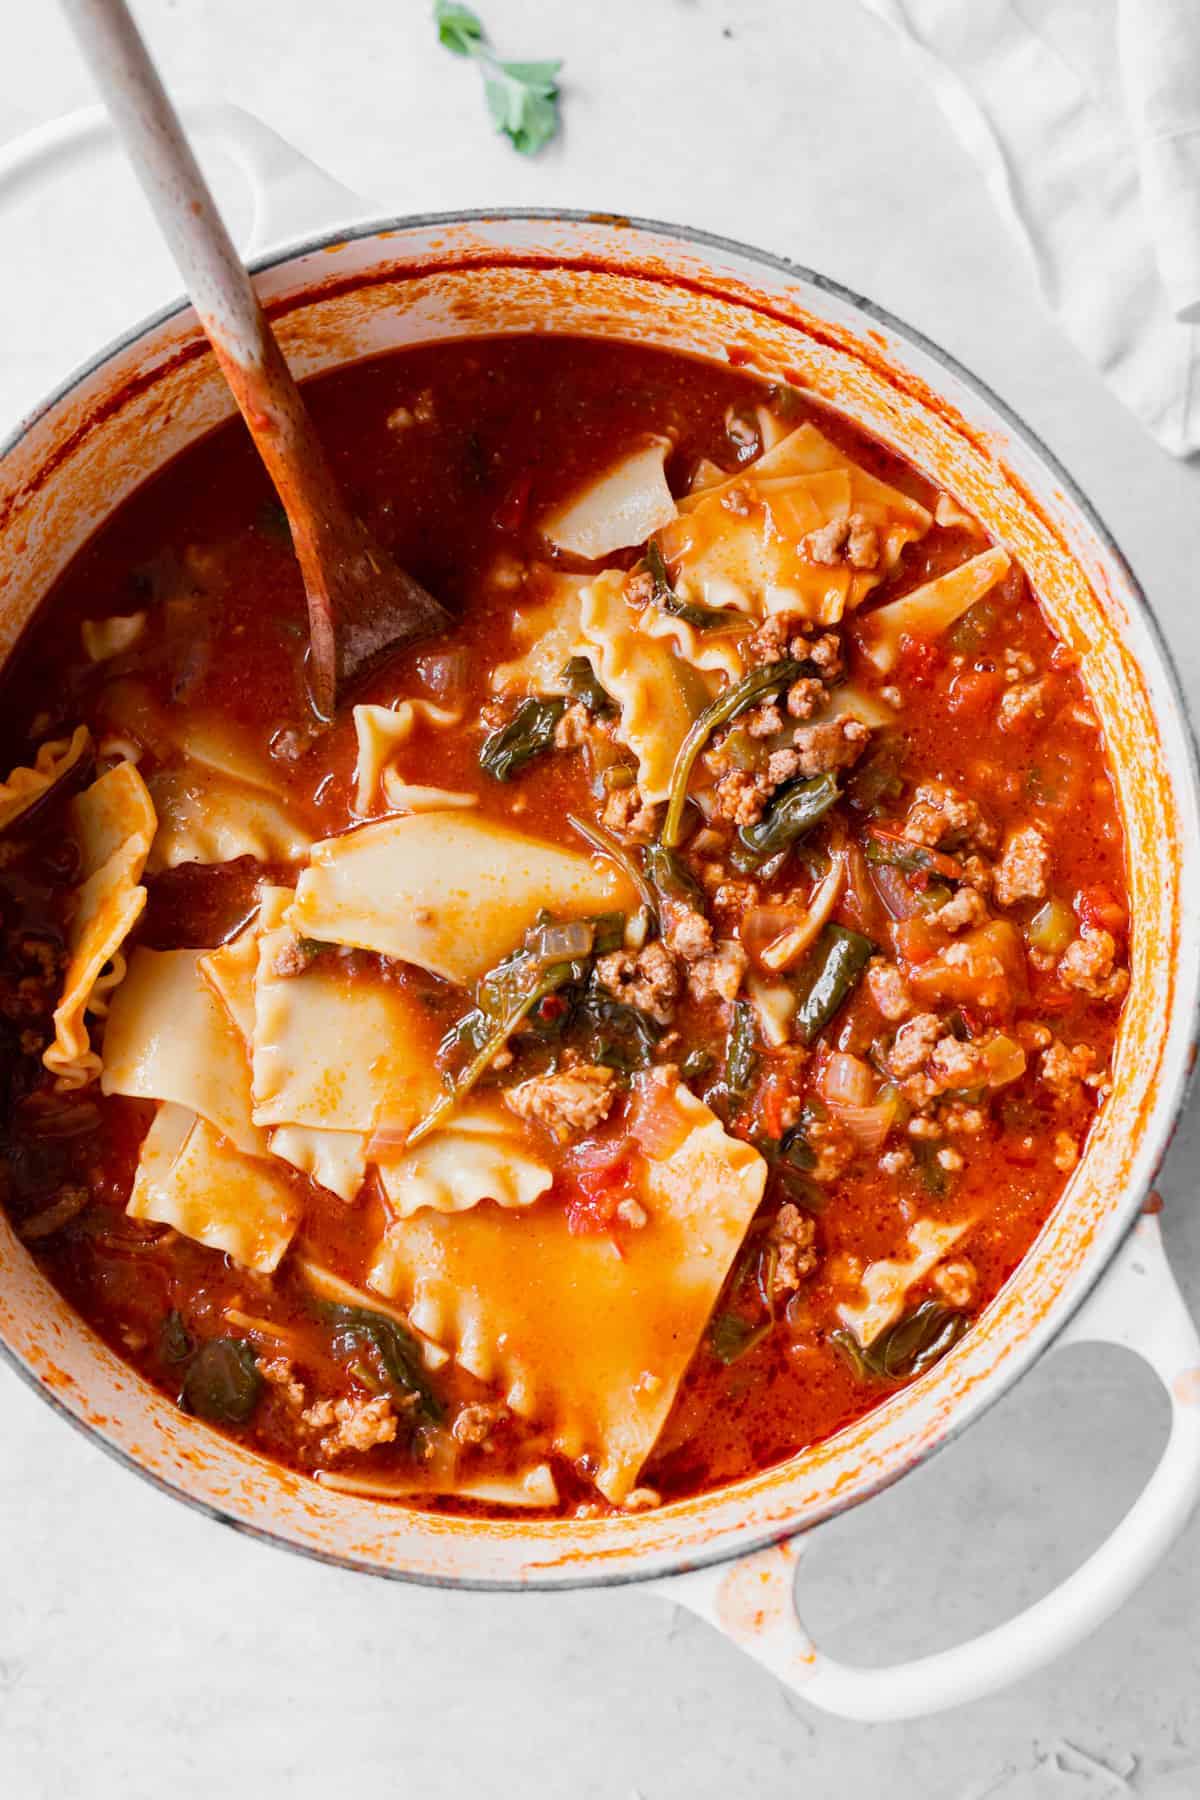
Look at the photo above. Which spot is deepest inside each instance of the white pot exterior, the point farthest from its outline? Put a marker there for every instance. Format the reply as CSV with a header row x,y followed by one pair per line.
x,y
384,287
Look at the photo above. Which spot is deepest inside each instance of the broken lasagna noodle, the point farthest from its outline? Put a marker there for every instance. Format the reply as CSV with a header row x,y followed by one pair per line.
x,y
644,1029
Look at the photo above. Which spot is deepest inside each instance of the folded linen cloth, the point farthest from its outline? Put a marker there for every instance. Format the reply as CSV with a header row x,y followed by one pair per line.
x,y
1084,116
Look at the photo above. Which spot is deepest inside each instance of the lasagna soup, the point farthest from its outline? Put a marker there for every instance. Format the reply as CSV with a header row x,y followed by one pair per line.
x,y
644,1027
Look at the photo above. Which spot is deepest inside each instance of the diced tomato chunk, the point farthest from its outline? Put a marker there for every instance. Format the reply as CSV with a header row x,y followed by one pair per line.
x,y
973,690
774,1090
1099,907
921,658
600,1176
916,940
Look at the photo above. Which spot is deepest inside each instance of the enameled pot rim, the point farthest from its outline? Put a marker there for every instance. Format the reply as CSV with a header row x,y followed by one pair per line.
x,y
1168,1112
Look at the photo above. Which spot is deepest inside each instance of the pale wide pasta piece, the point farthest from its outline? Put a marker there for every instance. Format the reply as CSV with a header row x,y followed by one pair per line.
x,y
381,731
451,892
885,1284
532,1487
658,695
623,506
206,817
403,796
713,652
27,784
168,1037
229,972
336,1160
753,550
191,1177
106,638
113,821
481,1153
928,610
333,1050
590,1342
547,633
218,797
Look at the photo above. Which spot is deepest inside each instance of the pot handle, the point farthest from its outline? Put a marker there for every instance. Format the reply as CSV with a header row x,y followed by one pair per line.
x,y
290,195
293,197
1138,1305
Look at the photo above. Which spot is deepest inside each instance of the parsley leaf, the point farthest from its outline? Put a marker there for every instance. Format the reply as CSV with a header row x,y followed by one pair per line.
x,y
522,97
458,28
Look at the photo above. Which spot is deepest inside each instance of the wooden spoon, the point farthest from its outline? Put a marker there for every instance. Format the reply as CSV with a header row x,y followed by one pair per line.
x,y
360,603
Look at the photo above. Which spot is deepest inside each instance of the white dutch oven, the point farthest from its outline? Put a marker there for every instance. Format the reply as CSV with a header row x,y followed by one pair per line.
x,y
1096,1272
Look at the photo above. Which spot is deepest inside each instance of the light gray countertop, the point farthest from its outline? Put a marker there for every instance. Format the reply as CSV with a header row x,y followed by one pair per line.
x,y
144,1651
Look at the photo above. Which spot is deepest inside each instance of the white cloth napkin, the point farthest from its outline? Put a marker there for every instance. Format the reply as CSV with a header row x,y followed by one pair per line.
x,y
1084,116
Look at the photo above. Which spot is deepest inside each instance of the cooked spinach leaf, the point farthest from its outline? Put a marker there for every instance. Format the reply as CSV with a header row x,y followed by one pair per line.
x,y
600,838
791,1160
877,780
174,1339
909,1347
222,1382
671,876
830,975
901,853
730,1337
727,706
663,595
612,1033
741,1057
357,1329
552,956
794,811
934,1178
528,733
584,684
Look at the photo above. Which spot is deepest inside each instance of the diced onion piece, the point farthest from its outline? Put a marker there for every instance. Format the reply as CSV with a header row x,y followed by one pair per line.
x,y
774,1004
787,949
847,1081
847,1086
1052,927
763,925
658,1123
623,506
558,941
1005,1060
932,608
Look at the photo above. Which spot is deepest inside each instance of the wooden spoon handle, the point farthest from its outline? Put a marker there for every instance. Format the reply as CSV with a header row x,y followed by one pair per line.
x,y
165,165
340,564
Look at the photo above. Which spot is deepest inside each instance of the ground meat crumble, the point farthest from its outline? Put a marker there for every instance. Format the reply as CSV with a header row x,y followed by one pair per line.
x,y
792,1235
630,817
1088,965
940,816
569,1103
648,980
1023,868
